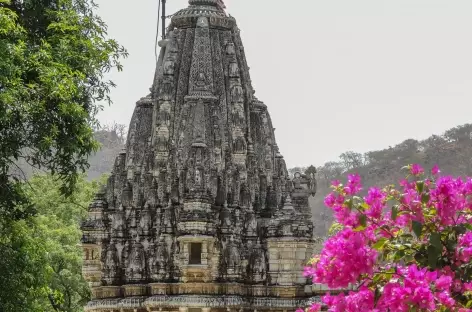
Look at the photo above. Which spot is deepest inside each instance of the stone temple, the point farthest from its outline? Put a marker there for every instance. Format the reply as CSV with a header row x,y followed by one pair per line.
x,y
199,213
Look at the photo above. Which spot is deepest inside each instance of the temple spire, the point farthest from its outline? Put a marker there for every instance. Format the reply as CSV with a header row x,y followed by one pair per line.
x,y
201,195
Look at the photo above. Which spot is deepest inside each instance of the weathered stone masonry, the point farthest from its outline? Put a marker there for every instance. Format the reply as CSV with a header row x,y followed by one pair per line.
x,y
199,213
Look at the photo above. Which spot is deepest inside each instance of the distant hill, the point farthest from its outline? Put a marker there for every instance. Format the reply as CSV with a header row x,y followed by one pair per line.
x,y
112,138
452,151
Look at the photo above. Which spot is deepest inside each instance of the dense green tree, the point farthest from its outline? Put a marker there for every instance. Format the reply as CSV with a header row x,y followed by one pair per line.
x,y
53,56
40,266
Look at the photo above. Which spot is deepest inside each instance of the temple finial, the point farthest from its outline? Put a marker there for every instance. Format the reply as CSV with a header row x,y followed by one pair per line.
x,y
219,3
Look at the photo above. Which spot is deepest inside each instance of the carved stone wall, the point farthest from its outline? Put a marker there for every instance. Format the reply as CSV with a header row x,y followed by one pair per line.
x,y
201,166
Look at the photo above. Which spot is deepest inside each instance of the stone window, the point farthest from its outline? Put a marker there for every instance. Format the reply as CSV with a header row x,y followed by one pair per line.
x,y
195,253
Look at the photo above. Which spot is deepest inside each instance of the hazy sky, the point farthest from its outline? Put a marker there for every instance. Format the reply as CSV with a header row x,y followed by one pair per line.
x,y
336,75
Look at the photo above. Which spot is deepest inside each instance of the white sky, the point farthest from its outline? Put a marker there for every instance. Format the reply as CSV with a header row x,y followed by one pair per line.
x,y
336,75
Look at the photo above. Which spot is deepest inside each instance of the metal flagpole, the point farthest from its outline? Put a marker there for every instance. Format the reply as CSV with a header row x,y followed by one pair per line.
x,y
163,19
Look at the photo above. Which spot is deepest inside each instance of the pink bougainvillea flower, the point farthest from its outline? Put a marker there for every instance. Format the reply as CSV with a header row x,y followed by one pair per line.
x,y
354,185
344,258
376,200
435,170
467,286
464,247
336,183
315,307
444,282
442,205
416,170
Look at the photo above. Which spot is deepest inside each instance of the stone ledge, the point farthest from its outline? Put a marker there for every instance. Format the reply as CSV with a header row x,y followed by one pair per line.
x,y
197,301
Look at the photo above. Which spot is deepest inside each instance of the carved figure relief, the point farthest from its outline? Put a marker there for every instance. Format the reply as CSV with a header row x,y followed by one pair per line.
x,y
237,95
201,81
166,90
251,225
161,144
169,67
238,118
164,117
239,146
230,49
234,70
136,263
198,178
234,255
226,215
145,222
110,260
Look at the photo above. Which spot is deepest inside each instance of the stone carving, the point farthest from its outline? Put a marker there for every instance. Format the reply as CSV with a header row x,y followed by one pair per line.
x,y
237,95
233,257
110,262
201,178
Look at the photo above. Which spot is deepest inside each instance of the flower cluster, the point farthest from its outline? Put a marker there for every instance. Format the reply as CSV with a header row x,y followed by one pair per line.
x,y
464,250
356,259
406,249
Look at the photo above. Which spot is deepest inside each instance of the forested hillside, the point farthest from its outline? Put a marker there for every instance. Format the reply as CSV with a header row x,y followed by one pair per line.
x,y
112,139
452,151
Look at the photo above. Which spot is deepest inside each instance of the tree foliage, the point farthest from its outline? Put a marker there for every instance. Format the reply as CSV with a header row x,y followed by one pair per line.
x,y
53,55
40,267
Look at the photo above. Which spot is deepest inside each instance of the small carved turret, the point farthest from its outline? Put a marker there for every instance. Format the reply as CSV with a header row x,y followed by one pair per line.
x,y
94,232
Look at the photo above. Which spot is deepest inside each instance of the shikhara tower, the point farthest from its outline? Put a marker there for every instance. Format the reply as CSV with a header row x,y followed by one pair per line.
x,y
199,212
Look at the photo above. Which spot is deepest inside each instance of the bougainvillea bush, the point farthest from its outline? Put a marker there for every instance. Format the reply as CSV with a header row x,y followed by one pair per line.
x,y
405,248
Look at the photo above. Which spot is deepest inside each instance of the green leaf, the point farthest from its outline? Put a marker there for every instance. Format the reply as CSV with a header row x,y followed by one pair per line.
x,y
349,204
380,243
377,278
469,304
420,186
433,254
399,254
335,228
360,228
363,206
425,197
394,212
417,228
363,220
420,258
435,241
